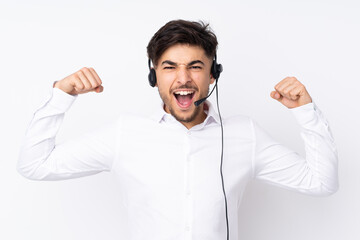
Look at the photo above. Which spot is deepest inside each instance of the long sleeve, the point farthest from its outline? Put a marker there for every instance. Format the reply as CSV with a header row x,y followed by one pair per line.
x,y
317,173
41,159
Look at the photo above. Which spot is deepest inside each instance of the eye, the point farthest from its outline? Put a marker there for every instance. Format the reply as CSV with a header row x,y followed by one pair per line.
x,y
196,67
169,67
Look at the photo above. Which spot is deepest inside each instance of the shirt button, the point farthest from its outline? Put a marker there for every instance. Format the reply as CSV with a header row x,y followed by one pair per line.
x,y
188,193
189,133
187,228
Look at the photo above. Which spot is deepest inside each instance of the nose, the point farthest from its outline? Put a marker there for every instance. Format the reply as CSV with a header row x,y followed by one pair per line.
x,y
183,75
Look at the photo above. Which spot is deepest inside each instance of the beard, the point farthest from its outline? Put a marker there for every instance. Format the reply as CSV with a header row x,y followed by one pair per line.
x,y
191,118
179,117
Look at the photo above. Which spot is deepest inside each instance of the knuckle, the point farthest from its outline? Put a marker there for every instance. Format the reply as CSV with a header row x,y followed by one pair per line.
x,y
80,73
85,70
290,79
80,86
87,85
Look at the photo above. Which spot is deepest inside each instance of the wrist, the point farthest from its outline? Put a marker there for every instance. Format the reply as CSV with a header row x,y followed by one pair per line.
x,y
59,85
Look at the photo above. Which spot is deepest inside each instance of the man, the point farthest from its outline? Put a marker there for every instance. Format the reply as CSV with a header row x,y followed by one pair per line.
x,y
168,164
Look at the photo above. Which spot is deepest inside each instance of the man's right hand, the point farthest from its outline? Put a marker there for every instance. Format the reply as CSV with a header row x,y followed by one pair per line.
x,y
83,81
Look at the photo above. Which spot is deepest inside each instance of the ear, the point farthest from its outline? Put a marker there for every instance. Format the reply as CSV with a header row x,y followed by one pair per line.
x,y
212,79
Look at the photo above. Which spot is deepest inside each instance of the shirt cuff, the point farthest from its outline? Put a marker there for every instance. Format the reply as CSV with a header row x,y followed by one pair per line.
x,y
61,100
306,113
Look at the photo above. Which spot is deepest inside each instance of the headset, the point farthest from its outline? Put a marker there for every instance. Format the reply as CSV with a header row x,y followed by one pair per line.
x,y
216,69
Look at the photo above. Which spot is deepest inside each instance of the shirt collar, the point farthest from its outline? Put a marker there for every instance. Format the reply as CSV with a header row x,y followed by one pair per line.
x,y
161,116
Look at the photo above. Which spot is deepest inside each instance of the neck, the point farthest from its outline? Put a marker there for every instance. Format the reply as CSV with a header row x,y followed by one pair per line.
x,y
198,120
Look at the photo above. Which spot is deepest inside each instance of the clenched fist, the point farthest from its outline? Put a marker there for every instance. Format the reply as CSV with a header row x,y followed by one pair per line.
x,y
83,81
291,93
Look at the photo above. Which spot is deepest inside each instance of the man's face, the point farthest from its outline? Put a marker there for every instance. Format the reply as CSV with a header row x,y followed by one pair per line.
x,y
183,77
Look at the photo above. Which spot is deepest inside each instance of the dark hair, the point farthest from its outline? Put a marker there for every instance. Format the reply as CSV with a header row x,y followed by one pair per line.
x,y
183,32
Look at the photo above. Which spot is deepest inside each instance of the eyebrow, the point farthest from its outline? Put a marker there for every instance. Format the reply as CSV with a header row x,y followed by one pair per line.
x,y
175,64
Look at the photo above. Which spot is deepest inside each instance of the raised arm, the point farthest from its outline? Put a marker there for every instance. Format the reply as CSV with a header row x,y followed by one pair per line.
x,y
41,159
317,172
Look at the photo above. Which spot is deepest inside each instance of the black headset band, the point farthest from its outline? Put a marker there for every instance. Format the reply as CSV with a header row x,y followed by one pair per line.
x,y
149,63
216,69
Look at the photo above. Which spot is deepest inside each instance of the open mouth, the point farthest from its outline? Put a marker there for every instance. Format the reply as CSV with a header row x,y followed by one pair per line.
x,y
184,98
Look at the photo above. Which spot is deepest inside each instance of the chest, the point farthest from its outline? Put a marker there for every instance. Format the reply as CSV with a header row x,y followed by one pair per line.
x,y
153,160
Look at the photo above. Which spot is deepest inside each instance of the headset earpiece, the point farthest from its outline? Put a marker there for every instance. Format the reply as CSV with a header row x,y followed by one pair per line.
x,y
152,75
216,69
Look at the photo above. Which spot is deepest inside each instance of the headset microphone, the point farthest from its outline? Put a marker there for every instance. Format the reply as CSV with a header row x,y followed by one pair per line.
x,y
200,101
216,69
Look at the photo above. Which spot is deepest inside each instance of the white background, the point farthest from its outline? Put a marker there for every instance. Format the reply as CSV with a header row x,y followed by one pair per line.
x,y
260,43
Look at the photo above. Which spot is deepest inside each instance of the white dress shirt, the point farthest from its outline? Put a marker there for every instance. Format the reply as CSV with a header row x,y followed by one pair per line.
x,y
169,176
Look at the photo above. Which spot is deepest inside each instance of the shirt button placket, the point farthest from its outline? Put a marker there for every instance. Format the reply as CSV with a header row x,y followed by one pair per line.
x,y
188,197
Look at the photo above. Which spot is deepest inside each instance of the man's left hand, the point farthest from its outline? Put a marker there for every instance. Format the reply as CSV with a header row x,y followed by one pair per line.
x,y
291,93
